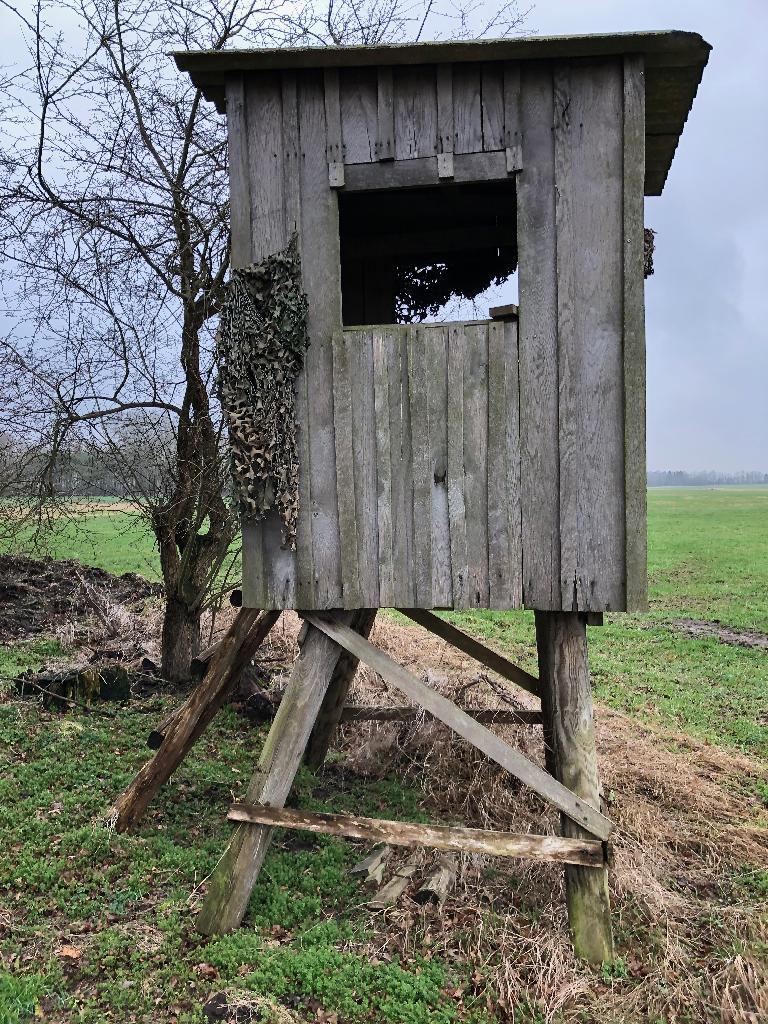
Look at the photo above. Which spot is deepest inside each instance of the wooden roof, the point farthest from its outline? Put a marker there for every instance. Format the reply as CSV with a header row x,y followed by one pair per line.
x,y
674,63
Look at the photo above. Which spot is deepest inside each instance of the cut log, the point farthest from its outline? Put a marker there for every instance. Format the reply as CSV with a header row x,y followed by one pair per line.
x,y
468,645
452,838
240,644
395,887
439,882
372,867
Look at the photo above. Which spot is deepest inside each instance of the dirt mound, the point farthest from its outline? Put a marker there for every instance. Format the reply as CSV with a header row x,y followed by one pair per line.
x,y
38,594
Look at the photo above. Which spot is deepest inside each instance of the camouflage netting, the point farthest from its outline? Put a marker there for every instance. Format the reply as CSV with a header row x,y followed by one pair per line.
x,y
649,243
260,350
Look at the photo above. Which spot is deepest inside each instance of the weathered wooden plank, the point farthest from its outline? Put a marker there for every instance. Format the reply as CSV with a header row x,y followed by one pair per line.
x,y
445,120
425,171
344,382
292,197
488,716
415,112
500,553
321,278
513,118
436,356
442,837
402,511
231,881
391,892
422,466
567,703
492,95
382,355
449,714
476,462
263,551
634,337
406,463
596,213
265,159
439,882
359,115
462,642
385,105
538,344
467,109
363,443
239,178
456,497
334,143
514,506
240,202
291,152
570,355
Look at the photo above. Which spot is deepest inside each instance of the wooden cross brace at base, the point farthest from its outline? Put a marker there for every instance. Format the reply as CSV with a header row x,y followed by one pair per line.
x,y
582,848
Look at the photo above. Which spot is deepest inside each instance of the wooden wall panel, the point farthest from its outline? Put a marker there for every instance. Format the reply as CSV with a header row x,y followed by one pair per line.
x,y
415,112
588,187
537,249
319,240
467,109
634,337
359,115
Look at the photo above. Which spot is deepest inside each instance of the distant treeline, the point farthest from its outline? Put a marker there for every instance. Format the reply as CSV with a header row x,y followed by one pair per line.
x,y
702,478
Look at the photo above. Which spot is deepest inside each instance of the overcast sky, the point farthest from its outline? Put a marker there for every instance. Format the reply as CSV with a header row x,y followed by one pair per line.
x,y
706,304
707,326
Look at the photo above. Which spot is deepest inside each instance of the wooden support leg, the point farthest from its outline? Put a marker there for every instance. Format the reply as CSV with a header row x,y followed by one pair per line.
x,y
232,880
567,705
237,649
336,697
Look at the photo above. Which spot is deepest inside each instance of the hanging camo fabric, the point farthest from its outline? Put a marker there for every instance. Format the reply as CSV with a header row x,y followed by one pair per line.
x,y
260,348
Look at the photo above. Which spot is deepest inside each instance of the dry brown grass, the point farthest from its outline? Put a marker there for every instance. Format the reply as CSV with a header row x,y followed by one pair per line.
x,y
688,822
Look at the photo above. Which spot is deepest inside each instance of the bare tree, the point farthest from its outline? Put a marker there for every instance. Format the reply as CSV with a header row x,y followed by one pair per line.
x,y
115,241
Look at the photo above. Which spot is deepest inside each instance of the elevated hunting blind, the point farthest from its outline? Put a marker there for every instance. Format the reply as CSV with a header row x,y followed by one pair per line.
x,y
386,462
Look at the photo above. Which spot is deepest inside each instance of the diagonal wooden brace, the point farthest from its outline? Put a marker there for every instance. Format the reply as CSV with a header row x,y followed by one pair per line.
x,y
468,728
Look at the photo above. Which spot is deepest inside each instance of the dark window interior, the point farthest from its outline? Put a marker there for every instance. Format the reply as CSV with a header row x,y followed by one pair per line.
x,y
405,253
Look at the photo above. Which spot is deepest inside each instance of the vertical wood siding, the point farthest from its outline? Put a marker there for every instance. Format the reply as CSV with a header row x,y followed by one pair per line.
x,y
429,455
439,467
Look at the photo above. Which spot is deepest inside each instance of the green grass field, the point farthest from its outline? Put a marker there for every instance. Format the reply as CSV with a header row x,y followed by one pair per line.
x,y
96,927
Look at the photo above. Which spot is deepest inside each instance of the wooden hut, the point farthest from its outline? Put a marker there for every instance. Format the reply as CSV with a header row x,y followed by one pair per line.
x,y
497,463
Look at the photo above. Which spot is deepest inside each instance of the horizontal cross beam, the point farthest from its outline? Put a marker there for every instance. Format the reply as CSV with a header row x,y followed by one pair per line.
x,y
587,852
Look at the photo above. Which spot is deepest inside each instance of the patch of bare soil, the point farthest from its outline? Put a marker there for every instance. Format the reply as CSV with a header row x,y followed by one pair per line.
x,y
37,595
725,634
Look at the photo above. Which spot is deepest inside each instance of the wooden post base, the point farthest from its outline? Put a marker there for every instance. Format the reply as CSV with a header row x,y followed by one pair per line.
x,y
566,701
232,880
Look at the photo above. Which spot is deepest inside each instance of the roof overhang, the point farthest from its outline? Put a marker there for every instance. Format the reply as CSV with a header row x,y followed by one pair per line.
x,y
674,64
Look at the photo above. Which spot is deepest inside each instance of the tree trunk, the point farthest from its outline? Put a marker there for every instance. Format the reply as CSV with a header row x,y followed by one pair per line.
x,y
180,639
